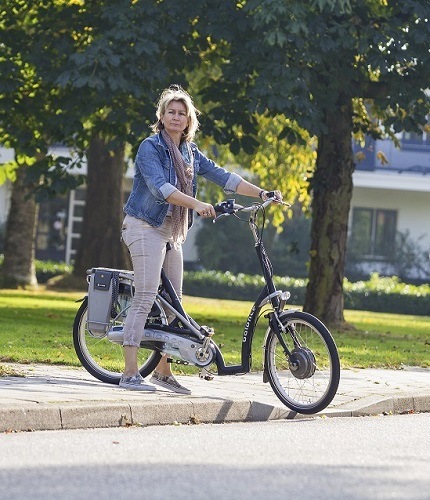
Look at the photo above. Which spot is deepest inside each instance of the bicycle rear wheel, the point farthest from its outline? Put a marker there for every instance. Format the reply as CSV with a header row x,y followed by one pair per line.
x,y
101,357
307,380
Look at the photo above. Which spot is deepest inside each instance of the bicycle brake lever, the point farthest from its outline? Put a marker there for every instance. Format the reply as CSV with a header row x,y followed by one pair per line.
x,y
279,202
219,217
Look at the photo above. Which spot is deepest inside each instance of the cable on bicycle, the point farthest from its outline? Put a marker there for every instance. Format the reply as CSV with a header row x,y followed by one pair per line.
x,y
115,290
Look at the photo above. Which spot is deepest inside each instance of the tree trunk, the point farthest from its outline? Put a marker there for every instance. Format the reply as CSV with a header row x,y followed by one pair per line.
x,y
100,244
332,192
18,267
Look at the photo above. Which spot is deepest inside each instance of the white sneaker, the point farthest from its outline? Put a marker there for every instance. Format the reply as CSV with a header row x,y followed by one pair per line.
x,y
136,383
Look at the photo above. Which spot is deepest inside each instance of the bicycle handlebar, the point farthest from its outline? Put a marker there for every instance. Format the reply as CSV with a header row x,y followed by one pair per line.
x,y
230,207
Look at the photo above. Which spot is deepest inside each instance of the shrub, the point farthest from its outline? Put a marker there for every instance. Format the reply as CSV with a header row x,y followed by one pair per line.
x,y
47,269
377,294
387,294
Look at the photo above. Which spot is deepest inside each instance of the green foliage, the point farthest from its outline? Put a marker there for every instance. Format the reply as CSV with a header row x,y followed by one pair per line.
x,y
285,160
309,53
32,114
230,249
225,285
377,294
334,69
282,160
290,250
70,70
387,294
48,269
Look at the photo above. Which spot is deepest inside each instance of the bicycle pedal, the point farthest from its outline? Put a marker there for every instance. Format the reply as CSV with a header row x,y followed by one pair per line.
x,y
206,376
207,331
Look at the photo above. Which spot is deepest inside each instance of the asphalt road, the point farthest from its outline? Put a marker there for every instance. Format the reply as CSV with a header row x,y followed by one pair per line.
x,y
378,457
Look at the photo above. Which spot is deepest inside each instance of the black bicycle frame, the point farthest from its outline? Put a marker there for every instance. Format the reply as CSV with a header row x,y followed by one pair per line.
x,y
269,292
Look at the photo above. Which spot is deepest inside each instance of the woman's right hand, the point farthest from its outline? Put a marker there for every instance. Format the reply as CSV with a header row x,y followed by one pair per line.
x,y
204,209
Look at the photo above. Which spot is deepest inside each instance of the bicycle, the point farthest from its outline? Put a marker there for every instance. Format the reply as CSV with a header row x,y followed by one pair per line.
x,y
300,360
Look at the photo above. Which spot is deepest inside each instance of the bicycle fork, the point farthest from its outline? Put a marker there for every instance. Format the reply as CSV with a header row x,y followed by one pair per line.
x,y
279,329
301,360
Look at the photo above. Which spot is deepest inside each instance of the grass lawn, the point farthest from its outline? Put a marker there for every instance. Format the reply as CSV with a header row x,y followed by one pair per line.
x,y
36,327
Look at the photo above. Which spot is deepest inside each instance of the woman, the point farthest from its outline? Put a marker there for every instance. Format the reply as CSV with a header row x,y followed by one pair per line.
x,y
159,211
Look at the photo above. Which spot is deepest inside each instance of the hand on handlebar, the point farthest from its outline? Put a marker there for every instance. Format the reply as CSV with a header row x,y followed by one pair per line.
x,y
275,195
205,209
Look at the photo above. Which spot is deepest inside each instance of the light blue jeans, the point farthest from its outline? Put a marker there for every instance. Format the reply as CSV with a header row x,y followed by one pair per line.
x,y
147,247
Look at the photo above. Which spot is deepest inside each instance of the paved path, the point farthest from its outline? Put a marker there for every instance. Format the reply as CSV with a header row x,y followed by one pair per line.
x,y
55,397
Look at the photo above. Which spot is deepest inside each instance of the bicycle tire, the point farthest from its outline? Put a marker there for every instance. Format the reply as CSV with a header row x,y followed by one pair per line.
x,y
308,381
102,358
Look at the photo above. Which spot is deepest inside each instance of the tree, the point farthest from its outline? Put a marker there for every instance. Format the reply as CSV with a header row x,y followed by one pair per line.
x,y
28,124
18,264
104,194
105,64
121,57
336,67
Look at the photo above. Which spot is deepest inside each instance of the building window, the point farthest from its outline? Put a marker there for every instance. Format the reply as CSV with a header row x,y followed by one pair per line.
x,y
415,139
52,229
373,233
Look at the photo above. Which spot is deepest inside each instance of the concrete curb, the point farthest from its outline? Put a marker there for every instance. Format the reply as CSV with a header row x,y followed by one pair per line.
x,y
67,415
54,398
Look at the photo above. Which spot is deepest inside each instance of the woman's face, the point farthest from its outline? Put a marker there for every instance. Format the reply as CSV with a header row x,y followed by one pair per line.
x,y
175,118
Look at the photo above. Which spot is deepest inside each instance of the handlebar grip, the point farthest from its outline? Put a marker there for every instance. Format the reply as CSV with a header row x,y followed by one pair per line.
x,y
227,207
219,208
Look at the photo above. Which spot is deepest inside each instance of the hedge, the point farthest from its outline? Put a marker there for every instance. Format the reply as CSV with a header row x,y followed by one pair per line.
x,y
388,294
47,269
377,294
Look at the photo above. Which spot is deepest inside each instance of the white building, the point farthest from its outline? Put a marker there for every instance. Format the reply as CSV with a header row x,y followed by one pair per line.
x,y
391,194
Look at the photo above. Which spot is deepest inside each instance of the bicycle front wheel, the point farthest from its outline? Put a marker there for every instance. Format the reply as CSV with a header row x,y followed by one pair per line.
x,y
307,379
101,357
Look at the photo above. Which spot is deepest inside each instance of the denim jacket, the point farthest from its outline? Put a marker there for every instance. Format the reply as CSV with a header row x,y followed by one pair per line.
x,y
155,178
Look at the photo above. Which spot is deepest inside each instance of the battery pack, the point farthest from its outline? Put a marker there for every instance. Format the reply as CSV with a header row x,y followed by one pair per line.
x,y
100,292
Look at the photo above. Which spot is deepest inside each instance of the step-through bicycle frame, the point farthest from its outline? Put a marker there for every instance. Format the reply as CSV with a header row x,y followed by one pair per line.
x,y
187,326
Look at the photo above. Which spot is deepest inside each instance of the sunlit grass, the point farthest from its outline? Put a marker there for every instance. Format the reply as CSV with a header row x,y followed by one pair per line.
x,y
36,327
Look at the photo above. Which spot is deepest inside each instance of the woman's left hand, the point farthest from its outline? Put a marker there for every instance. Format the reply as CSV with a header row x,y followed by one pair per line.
x,y
278,196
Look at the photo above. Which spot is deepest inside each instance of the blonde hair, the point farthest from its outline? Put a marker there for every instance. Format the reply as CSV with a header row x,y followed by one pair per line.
x,y
177,93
